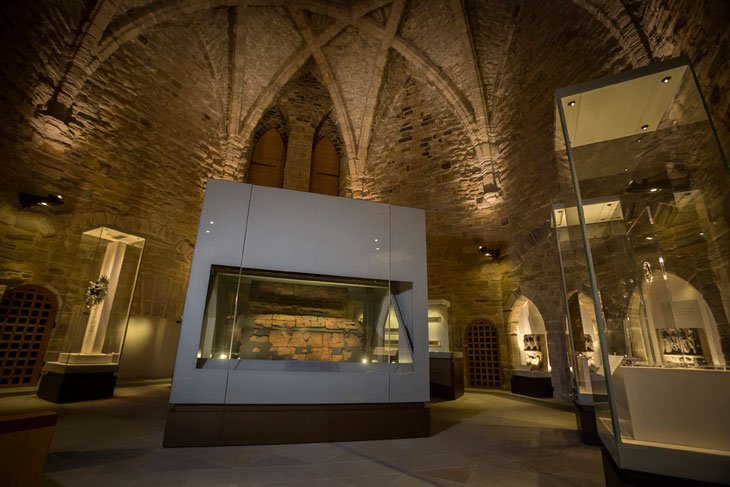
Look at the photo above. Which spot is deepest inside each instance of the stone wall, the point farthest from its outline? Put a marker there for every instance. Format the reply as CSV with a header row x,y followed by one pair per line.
x,y
125,108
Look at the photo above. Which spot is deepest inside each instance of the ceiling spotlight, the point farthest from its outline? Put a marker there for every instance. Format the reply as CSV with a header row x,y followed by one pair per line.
x,y
702,234
571,103
207,231
650,238
376,239
43,203
666,80
653,190
644,127
212,222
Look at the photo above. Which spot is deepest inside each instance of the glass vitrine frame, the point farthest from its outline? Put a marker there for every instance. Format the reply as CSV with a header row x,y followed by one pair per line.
x,y
93,320
611,402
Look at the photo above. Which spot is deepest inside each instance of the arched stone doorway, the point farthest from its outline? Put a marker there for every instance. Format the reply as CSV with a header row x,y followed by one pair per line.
x,y
27,315
481,342
528,337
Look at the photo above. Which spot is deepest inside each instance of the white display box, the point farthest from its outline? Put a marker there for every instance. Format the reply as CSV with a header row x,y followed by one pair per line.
x,y
261,228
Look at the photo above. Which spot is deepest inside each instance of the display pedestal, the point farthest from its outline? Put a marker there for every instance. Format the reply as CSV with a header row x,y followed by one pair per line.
x,y
531,383
585,419
68,383
621,477
446,374
219,425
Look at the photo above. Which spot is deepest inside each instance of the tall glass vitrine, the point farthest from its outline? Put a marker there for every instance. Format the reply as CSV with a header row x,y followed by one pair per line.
x,y
645,254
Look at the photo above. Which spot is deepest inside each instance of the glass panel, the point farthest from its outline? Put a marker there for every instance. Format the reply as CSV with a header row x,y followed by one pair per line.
x,y
653,206
271,315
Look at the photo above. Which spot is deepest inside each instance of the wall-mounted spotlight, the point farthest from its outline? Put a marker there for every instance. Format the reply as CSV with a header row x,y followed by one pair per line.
x,y
490,254
30,200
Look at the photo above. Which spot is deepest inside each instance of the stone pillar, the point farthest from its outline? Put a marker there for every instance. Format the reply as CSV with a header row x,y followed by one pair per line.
x,y
298,157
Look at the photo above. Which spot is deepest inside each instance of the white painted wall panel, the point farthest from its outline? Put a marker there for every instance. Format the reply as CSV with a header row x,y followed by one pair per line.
x,y
226,205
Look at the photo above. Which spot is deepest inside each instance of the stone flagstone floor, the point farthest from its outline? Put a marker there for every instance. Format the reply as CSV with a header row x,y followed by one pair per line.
x,y
481,439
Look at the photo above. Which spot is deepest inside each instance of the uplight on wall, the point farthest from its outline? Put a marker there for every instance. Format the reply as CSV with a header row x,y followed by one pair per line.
x,y
28,200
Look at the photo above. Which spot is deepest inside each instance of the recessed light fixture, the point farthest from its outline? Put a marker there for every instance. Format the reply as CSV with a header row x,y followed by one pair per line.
x,y
59,196
666,80
653,190
212,222
43,203
644,127
650,238
571,103
207,231
702,234
377,248
376,239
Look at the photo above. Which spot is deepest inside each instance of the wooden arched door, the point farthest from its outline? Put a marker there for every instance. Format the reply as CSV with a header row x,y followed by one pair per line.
x,y
267,160
482,355
27,315
325,177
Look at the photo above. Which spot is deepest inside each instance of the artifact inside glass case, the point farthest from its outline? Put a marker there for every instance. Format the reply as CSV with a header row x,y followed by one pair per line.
x,y
645,263
270,315
93,319
532,339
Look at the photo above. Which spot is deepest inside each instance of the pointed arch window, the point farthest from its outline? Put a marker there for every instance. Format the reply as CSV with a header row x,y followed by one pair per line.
x,y
267,160
325,178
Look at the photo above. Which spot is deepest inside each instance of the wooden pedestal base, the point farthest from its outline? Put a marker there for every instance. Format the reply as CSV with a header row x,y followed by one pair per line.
x,y
74,387
585,419
531,386
218,425
620,477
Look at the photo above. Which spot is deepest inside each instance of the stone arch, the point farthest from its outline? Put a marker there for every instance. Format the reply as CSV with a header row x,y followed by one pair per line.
x,y
526,316
621,26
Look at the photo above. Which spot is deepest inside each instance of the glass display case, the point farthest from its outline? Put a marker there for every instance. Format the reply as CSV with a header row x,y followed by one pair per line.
x,y
439,324
85,347
253,314
644,254
302,311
